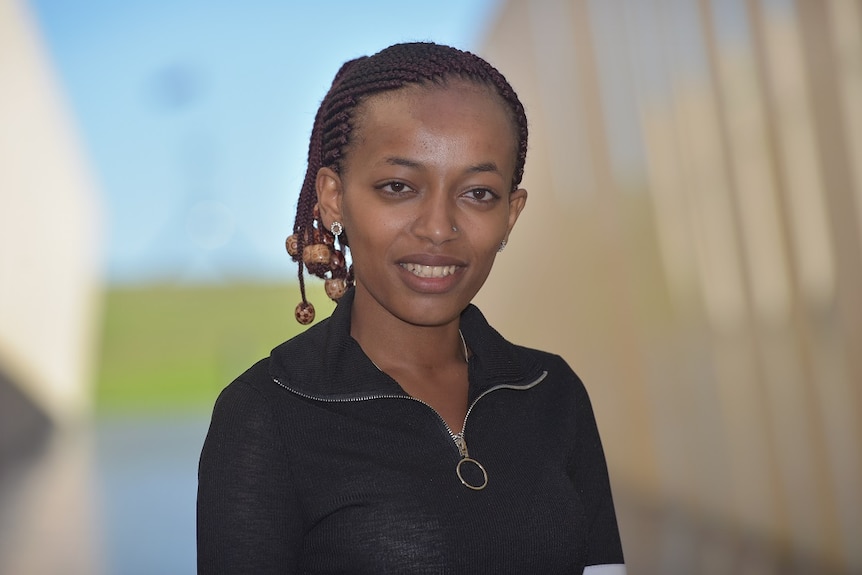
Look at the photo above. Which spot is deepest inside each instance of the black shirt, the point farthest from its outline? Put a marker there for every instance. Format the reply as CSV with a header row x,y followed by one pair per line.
x,y
317,462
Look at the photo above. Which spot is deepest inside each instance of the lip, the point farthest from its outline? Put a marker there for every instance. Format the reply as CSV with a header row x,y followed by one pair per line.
x,y
429,273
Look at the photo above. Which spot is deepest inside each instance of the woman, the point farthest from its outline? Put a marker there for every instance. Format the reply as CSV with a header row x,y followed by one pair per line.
x,y
403,434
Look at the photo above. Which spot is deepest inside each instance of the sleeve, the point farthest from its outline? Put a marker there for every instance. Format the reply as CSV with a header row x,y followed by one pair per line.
x,y
248,520
589,473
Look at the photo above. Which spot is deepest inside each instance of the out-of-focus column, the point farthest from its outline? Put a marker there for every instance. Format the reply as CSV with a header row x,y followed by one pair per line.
x,y
49,231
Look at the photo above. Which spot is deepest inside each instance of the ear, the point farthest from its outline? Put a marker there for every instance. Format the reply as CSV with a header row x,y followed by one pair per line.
x,y
329,193
517,201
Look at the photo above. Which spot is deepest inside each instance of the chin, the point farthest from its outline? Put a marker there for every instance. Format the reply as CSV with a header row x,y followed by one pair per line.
x,y
431,314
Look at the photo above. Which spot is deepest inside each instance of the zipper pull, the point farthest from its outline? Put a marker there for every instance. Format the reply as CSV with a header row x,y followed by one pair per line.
x,y
462,445
465,458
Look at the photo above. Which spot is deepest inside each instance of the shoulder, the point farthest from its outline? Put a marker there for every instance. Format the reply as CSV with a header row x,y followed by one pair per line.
x,y
557,368
550,361
560,382
253,402
249,386
244,401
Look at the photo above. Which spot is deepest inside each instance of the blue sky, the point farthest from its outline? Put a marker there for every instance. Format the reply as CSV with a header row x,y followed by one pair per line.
x,y
195,116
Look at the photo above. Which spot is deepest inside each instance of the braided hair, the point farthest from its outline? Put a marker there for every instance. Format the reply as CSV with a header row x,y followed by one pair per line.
x,y
393,68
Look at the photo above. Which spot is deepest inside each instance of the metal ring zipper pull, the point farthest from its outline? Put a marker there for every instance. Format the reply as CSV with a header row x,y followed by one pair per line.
x,y
467,483
465,458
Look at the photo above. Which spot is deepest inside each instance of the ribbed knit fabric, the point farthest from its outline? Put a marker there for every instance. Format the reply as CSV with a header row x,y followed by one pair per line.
x,y
317,462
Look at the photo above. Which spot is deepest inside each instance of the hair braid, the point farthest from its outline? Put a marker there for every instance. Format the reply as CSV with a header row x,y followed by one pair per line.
x,y
393,68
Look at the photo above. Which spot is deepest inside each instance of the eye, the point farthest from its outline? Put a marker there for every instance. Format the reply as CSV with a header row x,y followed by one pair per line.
x,y
482,195
394,188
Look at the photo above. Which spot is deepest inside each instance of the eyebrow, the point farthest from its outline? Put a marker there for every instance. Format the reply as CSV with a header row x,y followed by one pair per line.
x,y
408,163
484,167
397,161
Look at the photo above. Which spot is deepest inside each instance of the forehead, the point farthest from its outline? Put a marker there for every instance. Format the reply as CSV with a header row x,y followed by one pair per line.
x,y
457,104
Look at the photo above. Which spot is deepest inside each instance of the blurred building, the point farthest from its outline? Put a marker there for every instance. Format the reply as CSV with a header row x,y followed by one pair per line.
x,y
49,232
48,302
692,244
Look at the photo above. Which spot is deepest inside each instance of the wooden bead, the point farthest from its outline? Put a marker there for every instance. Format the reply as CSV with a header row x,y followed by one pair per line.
x,y
336,260
292,245
327,237
335,288
316,254
319,236
322,236
304,312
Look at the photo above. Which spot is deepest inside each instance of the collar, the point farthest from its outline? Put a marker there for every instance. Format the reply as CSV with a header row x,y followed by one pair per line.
x,y
326,362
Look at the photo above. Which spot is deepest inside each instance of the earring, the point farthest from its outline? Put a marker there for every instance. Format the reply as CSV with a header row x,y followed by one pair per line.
x,y
502,246
336,228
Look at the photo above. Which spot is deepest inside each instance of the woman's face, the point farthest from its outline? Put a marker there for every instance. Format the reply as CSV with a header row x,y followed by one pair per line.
x,y
425,198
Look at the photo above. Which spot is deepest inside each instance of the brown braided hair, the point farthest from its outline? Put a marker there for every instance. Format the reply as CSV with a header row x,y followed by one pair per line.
x,y
390,69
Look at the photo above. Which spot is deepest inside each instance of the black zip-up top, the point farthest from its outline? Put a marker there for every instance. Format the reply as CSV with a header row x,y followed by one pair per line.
x,y
317,462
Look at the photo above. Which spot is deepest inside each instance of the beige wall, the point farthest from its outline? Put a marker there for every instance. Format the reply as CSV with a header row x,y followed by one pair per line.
x,y
692,244
49,230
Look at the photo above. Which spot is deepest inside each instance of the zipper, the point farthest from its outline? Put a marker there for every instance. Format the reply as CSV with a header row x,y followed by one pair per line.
x,y
457,438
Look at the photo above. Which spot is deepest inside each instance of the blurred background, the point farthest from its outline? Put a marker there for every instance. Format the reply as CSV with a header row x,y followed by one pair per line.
x,y
692,246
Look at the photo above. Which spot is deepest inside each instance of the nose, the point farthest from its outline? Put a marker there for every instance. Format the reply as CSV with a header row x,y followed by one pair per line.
x,y
435,220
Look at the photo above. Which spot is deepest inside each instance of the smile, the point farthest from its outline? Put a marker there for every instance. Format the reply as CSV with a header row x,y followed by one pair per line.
x,y
429,271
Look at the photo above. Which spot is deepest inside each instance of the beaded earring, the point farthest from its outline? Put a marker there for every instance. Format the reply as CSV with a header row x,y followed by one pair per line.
x,y
502,246
317,251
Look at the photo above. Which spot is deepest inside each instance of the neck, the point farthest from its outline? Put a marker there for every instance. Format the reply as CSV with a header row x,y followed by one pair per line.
x,y
392,343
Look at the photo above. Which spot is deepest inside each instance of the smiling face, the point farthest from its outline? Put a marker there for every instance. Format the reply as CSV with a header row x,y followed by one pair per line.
x,y
425,196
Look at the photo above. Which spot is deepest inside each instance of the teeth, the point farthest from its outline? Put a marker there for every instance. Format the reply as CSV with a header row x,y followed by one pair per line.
x,y
430,271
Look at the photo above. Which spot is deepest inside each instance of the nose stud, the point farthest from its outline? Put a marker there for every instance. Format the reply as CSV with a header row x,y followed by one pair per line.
x,y
454,228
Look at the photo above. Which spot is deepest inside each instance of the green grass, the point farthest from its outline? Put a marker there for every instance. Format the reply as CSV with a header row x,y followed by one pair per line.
x,y
171,348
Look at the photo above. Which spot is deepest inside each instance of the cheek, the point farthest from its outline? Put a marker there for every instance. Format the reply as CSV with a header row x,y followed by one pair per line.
x,y
488,230
368,229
